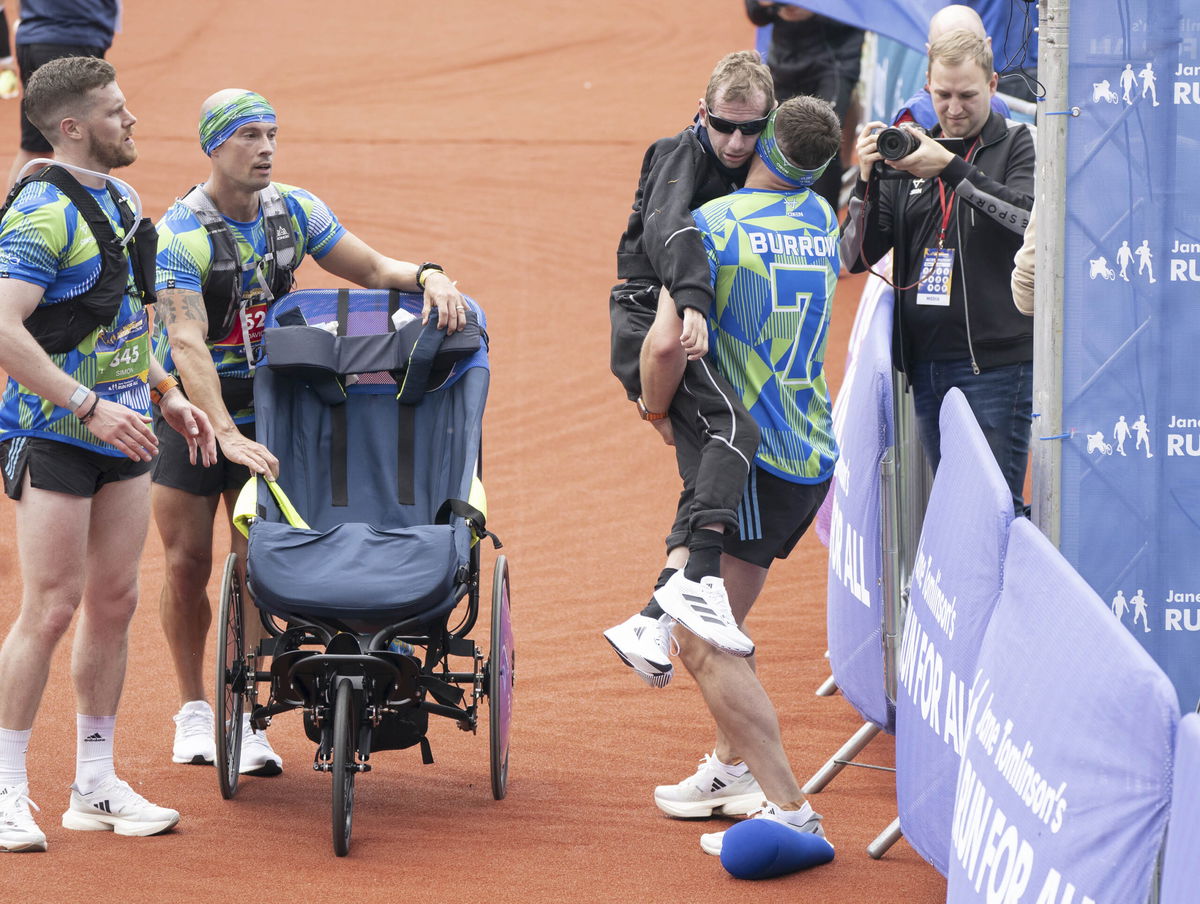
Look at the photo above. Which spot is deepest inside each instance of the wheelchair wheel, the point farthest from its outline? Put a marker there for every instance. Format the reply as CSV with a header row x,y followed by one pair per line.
x,y
500,679
344,770
230,687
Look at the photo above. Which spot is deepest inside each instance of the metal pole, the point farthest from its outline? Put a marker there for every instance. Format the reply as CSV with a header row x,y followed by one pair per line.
x,y
828,688
1051,197
844,757
892,568
885,839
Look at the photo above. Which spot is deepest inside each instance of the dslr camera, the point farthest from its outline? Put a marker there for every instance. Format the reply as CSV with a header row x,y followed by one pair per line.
x,y
895,142
892,144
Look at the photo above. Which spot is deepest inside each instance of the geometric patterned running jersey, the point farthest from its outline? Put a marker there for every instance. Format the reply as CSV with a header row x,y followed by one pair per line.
x,y
773,258
185,260
45,241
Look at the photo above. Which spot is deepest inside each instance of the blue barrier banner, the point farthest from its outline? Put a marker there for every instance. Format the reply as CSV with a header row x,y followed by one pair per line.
x,y
1066,775
875,292
955,586
896,73
855,600
1179,873
1131,465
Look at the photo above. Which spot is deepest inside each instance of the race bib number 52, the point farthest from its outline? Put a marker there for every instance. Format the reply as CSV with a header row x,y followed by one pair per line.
x,y
254,317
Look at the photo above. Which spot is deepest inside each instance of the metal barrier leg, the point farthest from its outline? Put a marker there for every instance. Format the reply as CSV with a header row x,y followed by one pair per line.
x,y
842,758
828,689
885,839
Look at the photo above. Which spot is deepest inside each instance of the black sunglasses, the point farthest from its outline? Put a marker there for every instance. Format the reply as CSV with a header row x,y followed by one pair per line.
x,y
726,127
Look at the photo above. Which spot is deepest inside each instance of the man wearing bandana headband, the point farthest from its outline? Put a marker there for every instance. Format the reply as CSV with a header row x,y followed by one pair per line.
x,y
772,249
227,249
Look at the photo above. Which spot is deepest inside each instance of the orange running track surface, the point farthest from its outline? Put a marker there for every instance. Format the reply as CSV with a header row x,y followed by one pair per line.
x,y
502,140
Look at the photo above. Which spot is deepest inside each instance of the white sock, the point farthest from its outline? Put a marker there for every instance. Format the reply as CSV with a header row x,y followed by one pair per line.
x,y
796,817
13,747
737,770
93,751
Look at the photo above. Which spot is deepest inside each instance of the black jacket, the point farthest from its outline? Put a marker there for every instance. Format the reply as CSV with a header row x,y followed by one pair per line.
x,y
810,56
989,195
661,243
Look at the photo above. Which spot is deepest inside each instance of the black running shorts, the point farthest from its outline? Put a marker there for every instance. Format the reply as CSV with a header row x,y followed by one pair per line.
x,y
773,515
172,468
62,467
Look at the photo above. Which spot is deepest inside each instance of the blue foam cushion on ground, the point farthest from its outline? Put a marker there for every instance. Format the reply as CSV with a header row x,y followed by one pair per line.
x,y
763,848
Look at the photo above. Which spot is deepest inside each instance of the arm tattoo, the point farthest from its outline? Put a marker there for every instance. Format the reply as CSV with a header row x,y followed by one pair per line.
x,y
181,304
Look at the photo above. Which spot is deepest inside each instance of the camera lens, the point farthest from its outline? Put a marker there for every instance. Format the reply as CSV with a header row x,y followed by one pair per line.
x,y
894,143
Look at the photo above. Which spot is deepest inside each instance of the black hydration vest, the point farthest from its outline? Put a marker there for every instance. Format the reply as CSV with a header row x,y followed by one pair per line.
x,y
223,288
60,327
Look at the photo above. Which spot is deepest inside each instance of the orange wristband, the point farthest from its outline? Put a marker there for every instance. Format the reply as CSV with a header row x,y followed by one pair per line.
x,y
165,385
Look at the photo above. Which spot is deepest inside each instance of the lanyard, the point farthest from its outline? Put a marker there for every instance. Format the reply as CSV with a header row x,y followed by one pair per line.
x,y
948,209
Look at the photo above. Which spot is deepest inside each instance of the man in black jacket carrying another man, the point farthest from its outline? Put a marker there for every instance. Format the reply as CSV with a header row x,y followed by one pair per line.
x,y
955,218
662,250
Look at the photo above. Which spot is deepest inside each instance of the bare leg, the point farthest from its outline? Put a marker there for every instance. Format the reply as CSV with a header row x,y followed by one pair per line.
x,y
120,516
185,523
53,575
747,725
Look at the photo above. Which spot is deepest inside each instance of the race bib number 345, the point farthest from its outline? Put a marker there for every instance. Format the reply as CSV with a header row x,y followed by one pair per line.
x,y
123,359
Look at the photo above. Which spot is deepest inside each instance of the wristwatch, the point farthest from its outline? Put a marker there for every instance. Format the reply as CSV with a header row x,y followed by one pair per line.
x,y
78,397
424,268
160,389
647,414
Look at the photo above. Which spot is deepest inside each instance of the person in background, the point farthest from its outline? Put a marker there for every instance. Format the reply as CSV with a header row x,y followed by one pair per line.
x,y
818,56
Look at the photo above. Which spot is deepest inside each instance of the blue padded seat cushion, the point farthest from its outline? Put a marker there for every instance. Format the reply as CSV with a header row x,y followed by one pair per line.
x,y
353,570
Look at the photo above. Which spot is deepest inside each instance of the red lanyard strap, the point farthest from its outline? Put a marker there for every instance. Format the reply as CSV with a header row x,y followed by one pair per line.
x,y
947,210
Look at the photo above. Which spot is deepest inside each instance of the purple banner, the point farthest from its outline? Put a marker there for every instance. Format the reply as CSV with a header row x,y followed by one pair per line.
x,y
1065,779
955,586
1179,882
875,292
855,600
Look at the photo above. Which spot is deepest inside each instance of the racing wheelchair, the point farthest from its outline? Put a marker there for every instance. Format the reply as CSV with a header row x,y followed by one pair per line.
x,y
362,551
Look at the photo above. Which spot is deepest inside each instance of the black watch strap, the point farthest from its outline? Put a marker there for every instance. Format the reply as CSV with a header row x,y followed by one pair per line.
x,y
424,268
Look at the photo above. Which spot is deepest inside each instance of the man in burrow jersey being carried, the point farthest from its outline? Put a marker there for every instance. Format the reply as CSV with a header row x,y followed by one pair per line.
x,y
227,250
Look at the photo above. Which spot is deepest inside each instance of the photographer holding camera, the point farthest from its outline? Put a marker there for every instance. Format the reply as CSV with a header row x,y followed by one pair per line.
x,y
953,205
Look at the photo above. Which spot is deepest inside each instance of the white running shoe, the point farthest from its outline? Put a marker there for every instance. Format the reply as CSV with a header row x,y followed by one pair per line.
x,y
715,789
703,608
802,820
115,807
258,758
644,644
18,831
194,742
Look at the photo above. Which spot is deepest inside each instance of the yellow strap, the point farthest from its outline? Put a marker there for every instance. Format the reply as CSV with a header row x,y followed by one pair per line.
x,y
478,496
244,509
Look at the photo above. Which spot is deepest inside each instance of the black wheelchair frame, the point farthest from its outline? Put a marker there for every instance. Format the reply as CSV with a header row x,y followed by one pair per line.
x,y
357,695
